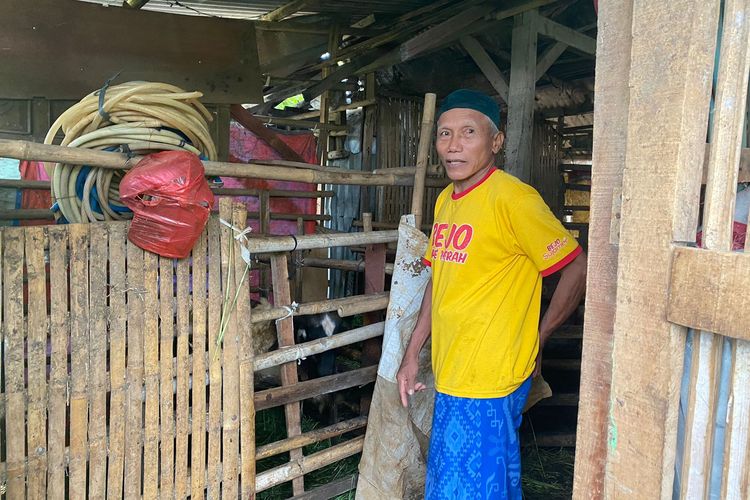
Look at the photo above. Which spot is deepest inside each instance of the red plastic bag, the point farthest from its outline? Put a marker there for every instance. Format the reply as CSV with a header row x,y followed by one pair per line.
x,y
171,200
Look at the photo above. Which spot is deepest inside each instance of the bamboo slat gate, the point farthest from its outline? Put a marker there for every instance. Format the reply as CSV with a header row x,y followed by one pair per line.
x,y
114,382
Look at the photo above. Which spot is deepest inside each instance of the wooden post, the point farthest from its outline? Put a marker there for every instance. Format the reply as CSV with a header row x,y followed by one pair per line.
x,y
374,282
423,156
518,150
265,229
297,260
285,330
610,126
333,44
368,139
675,86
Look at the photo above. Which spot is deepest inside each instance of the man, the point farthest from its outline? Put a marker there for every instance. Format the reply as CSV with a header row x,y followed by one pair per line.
x,y
493,240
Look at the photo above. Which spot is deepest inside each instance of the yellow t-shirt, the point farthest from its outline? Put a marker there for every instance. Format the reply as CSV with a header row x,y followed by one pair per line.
x,y
489,249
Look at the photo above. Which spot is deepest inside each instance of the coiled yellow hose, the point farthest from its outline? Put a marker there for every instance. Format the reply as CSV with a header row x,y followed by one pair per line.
x,y
138,117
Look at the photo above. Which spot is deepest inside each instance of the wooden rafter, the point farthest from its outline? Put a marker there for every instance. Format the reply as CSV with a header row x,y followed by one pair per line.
x,y
285,10
487,65
567,35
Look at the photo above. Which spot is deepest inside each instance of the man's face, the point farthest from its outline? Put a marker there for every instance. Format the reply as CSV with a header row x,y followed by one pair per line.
x,y
465,144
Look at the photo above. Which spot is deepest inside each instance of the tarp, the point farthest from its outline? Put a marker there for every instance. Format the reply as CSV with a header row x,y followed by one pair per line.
x,y
393,458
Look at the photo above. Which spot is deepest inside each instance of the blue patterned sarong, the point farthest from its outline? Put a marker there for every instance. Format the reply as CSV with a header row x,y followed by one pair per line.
x,y
474,447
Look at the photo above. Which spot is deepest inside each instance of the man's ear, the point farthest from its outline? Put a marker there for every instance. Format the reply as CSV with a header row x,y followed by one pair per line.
x,y
497,142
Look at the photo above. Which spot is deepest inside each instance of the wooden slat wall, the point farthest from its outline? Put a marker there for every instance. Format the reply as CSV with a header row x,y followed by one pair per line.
x,y
399,122
545,170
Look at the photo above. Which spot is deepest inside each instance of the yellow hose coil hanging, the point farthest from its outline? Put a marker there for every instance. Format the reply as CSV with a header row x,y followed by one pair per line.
x,y
137,117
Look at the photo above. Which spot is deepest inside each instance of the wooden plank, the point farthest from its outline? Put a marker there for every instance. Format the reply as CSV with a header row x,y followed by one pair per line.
x,y
330,490
374,283
718,216
214,359
285,331
182,373
36,346
253,124
567,35
610,126
117,346
297,468
79,359
58,376
230,362
645,395
166,346
736,478
697,274
200,316
135,298
311,437
291,394
283,11
15,394
97,339
518,154
487,66
151,375
224,66
246,366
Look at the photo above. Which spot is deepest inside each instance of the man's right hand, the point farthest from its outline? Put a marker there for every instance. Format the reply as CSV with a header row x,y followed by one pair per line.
x,y
407,379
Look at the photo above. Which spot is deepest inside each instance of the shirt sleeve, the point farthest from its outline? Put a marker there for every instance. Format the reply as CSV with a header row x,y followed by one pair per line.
x,y
541,236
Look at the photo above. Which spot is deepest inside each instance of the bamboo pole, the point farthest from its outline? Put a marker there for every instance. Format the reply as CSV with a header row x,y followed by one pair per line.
x,y
43,213
219,191
25,150
344,265
311,437
291,353
291,470
374,301
272,244
423,155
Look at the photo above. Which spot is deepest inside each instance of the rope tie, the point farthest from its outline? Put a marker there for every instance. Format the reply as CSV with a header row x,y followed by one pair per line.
x,y
290,310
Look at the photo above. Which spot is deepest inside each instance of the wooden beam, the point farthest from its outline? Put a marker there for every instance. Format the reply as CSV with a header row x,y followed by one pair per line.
x,y
644,402
518,150
698,273
448,30
568,36
402,53
134,4
254,125
290,394
284,11
548,58
487,65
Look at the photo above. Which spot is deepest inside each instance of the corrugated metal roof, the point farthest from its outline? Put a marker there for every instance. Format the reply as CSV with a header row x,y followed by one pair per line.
x,y
254,9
